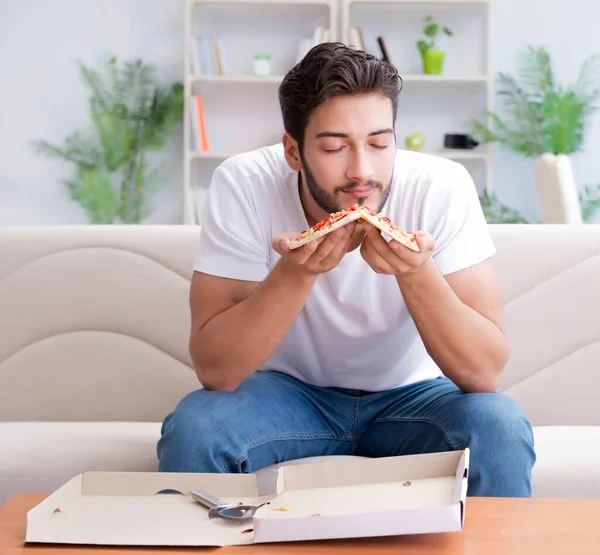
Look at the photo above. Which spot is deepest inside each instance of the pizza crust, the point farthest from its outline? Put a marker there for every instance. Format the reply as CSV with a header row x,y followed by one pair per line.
x,y
388,227
344,217
338,219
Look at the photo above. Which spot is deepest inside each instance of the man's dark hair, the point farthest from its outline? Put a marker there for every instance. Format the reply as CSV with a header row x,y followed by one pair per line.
x,y
333,69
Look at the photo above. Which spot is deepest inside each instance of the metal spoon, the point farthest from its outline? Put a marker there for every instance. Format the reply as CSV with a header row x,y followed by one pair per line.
x,y
218,508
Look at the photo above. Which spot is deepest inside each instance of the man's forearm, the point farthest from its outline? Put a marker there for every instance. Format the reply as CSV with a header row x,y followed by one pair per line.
x,y
234,344
469,348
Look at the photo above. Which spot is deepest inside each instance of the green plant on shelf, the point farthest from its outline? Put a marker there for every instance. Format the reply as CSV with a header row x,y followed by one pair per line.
x,y
131,115
433,60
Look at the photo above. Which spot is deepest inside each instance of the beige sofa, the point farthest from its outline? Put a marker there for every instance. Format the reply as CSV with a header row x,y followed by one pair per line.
x,y
93,349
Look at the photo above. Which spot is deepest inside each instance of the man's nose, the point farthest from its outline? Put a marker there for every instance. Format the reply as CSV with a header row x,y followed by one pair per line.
x,y
360,168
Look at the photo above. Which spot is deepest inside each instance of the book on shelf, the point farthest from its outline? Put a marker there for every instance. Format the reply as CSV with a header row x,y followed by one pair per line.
x,y
320,35
199,134
207,55
356,38
385,55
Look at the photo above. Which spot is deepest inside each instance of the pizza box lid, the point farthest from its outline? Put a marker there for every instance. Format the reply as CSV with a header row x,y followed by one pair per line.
x,y
412,494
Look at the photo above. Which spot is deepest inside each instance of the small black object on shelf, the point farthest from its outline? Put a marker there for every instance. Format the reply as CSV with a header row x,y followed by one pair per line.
x,y
459,141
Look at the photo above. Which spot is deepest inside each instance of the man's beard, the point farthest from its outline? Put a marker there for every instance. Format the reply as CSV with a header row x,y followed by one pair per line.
x,y
327,201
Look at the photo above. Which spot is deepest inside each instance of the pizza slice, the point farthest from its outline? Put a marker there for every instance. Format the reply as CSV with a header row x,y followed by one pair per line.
x,y
327,225
384,224
340,219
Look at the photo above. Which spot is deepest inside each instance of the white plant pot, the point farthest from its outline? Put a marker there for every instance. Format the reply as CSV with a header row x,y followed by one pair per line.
x,y
557,190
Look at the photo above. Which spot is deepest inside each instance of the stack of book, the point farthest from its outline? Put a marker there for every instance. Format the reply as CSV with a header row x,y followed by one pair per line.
x,y
207,58
199,138
356,39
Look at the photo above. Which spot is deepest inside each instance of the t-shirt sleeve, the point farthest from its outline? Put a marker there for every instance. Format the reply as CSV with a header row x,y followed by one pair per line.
x,y
458,223
231,244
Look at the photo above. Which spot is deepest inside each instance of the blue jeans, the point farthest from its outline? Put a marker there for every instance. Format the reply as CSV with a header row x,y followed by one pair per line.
x,y
273,417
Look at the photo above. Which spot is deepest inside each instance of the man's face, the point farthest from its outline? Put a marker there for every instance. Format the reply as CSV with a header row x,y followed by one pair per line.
x,y
349,151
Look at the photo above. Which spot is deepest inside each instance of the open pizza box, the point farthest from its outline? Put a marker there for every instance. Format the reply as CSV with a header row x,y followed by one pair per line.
x,y
413,494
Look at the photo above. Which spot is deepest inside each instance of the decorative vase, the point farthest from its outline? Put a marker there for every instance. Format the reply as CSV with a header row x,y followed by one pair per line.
x,y
557,189
433,62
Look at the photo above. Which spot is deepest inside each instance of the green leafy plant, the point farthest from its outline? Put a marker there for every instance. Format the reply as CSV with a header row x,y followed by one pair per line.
x,y
589,198
431,30
497,213
542,115
132,115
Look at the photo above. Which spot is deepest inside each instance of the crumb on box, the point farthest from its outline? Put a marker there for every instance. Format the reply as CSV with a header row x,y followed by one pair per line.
x,y
282,509
316,514
57,510
407,483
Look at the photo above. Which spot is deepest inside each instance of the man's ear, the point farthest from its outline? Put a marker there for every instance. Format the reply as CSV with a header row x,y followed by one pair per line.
x,y
292,152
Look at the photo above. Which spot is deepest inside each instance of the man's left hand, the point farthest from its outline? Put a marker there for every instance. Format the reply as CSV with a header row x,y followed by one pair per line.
x,y
395,258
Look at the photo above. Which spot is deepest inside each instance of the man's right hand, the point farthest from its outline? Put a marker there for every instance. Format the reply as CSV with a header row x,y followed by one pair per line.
x,y
318,256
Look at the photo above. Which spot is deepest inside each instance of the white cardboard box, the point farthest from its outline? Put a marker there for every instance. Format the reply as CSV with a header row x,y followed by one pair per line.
x,y
334,499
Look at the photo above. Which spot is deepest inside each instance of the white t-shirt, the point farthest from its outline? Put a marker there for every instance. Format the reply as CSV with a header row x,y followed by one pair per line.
x,y
354,330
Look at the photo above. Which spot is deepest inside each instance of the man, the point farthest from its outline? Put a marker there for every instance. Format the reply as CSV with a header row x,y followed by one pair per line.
x,y
350,344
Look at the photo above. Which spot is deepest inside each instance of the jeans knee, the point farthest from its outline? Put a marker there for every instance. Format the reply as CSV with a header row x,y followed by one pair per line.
x,y
498,416
191,434
497,421
500,439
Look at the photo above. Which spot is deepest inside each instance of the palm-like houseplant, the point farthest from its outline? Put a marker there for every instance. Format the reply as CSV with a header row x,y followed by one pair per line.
x,y
543,116
496,212
132,115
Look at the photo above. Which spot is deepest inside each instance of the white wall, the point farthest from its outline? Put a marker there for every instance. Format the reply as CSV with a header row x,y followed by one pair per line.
x,y
41,95
569,30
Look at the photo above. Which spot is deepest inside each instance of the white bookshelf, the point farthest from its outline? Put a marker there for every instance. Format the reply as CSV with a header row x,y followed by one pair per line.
x,y
236,79
261,2
446,153
419,3
445,79
433,104
241,109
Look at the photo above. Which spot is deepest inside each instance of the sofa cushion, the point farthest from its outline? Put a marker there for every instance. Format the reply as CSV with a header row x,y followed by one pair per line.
x,y
115,314
41,456
568,462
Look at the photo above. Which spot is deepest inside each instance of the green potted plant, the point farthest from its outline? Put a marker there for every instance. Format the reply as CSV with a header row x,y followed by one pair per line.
x,y
496,212
545,121
132,115
541,115
433,60
589,198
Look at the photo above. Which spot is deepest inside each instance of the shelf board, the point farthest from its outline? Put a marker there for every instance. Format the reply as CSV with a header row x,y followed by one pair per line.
x,y
196,78
212,155
423,2
274,79
257,2
422,78
445,153
462,154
